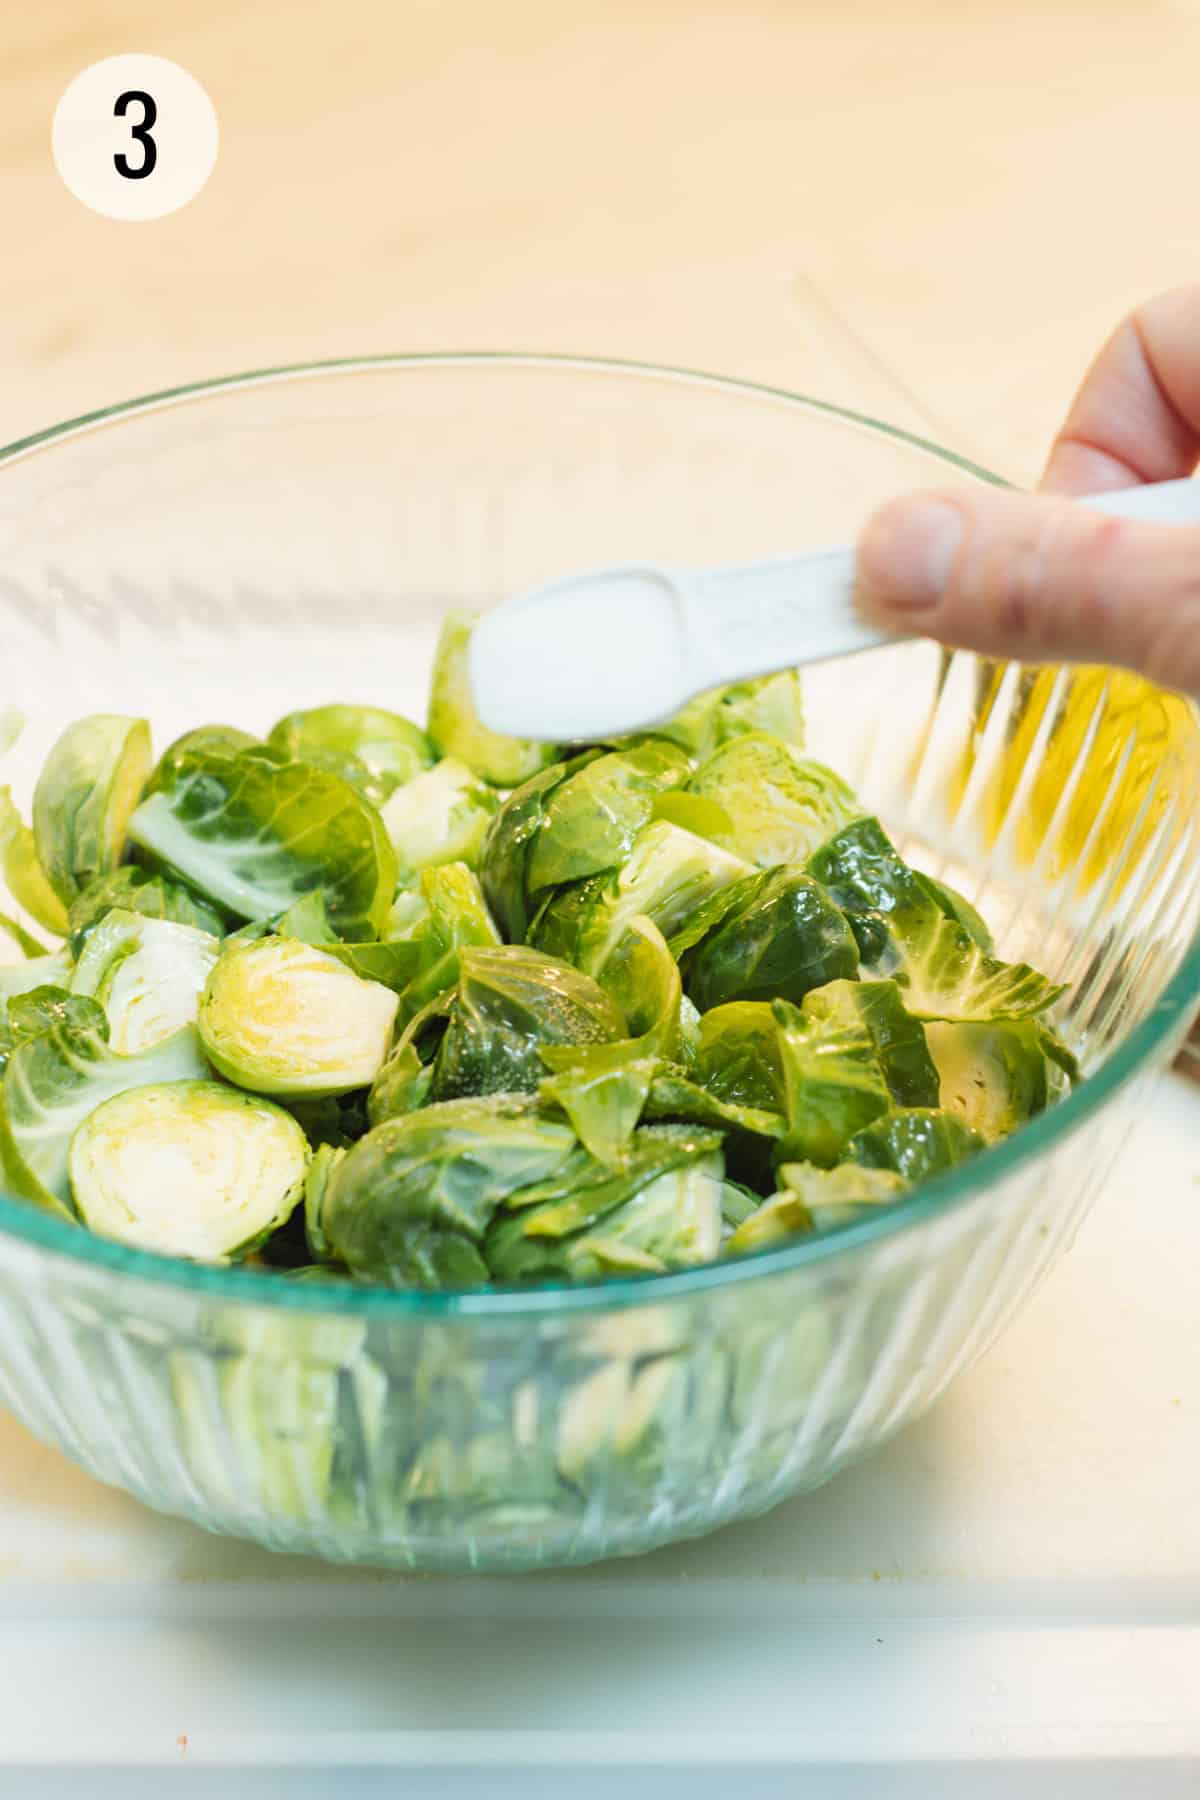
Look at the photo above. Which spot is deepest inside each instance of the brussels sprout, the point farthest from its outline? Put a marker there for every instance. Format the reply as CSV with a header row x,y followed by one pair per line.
x,y
279,1016
132,889
53,1082
785,937
147,974
510,1001
673,1097
994,1076
917,1142
781,805
409,1205
24,940
510,842
591,819
771,704
669,873
255,833
812,1200
456,728
602,1088
455,919
833,1081
91,783
899,1039
374,750
189,1169
24,874
902,931
638,1216
405,1081
739,1059
441,816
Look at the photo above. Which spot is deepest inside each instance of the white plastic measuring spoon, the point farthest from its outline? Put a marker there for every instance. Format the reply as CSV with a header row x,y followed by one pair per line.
x,y
594,655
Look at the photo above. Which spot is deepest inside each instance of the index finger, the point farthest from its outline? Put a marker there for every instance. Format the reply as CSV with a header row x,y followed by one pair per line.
x,y
1136,416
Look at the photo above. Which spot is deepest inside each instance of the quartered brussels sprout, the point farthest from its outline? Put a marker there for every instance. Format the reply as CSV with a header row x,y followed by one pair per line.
x,y
146,974
133,889
784,937
254,833
660,1208
24,875
995,1076
668,874
85,795
511,1001
812,1200
440,816
374,750
456,728
781,806
916,1142
409,1205
279,1016
54,1081
190,1169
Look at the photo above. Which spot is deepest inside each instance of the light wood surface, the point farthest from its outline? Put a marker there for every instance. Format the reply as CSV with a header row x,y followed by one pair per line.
x,y
934,209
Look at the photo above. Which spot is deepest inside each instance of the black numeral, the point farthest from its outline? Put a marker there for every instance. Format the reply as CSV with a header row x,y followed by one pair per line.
x,y
139,133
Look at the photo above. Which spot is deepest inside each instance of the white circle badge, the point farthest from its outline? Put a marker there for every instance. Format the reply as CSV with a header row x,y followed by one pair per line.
x,y
135,137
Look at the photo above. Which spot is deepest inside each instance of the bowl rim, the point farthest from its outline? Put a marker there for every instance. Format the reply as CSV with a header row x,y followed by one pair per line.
x,y
1145,1046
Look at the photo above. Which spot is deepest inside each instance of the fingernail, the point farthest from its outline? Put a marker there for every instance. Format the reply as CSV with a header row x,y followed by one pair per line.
x,y
905,553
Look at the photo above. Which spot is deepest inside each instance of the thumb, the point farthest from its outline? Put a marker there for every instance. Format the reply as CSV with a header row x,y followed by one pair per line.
x,y
1036,578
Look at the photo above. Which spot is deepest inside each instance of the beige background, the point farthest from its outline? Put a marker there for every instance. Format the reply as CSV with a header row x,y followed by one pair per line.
x,y
934,208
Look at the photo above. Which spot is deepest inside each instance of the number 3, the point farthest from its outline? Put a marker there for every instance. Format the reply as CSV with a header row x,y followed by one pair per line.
x,y
140,134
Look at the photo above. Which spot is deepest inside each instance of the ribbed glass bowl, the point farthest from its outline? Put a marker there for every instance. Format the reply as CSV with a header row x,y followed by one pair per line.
x,y
235,551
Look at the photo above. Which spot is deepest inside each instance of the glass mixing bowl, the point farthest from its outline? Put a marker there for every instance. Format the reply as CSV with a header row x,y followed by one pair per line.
x,y
234,551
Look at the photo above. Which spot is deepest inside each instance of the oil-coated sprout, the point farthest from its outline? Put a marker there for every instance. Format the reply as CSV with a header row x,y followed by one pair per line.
x,y
440,816
147,974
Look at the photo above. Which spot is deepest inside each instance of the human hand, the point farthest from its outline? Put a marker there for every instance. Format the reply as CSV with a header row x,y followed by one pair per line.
x,y
1031,577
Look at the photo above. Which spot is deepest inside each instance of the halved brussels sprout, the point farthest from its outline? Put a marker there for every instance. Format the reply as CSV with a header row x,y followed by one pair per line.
x,y
993,1076
455,726
23,873
147,974
659,1208
916,1142
410,1203
85,795
781,805
189,1169
591,819
53,1082
374,750
279,1016
254,833
133,889
784,937
510,841
669,873
510,1001
898,1038
813,1199
833,1080
440,816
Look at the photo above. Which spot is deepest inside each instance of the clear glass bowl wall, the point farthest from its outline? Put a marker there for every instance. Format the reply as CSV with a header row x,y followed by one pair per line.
x,y
240,550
